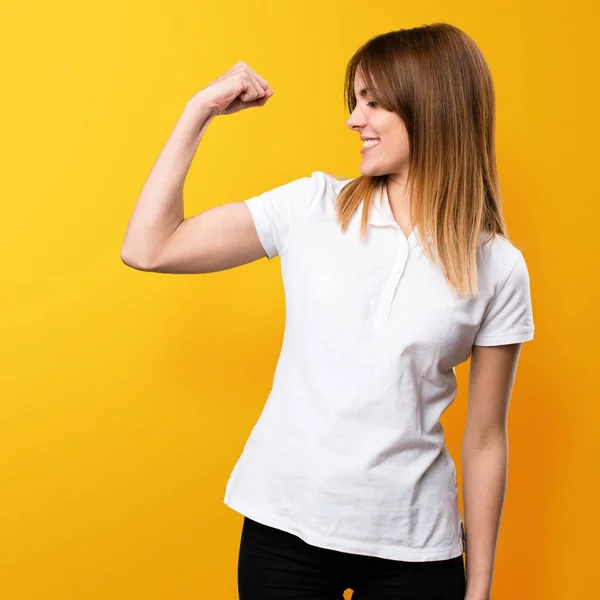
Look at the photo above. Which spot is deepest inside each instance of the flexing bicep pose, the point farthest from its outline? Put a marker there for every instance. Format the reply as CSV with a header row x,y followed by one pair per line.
x,y
392,279
158,237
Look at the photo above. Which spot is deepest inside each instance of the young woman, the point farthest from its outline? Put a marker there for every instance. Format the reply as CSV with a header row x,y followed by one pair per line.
x,y
391,280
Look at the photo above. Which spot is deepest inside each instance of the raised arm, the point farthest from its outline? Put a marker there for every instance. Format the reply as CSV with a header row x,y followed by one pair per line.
x,y
158,238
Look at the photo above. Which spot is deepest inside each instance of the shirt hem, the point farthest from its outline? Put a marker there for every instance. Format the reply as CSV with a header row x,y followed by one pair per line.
x,y
330,543
504,338
262,226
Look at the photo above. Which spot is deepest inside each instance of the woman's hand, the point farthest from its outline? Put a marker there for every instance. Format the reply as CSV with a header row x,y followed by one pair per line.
x,y
238,88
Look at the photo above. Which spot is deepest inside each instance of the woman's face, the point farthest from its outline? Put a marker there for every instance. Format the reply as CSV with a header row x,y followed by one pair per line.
x,y
390,155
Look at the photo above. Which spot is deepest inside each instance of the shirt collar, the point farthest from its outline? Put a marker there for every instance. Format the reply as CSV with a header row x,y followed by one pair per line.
x,y
381,215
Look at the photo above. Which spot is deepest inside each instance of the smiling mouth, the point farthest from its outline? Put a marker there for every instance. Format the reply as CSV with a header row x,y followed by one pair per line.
x,y
369,142
365,149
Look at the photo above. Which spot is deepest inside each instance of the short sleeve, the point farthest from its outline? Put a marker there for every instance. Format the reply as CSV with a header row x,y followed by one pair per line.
x,y
278,212
509,319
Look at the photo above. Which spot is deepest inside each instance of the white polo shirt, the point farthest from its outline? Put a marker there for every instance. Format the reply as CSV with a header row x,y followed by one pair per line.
x,y
348,452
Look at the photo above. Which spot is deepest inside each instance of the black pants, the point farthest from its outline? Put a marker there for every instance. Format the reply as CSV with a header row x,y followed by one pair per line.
x,y
277,565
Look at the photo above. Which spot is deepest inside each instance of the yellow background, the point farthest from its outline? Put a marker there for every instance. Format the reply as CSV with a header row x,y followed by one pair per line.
x,y
127,397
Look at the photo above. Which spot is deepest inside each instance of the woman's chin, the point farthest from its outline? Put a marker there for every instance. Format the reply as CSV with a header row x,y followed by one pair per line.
x,y
369,168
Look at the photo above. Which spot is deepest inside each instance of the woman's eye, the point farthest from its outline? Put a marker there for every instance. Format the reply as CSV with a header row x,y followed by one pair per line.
x,y
372,102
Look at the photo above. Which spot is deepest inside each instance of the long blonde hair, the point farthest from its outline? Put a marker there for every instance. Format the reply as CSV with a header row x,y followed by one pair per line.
x,y
436,79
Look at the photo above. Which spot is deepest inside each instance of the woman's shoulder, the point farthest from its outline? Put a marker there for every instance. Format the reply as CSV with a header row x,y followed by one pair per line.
x,y
497,248
325,186
499,259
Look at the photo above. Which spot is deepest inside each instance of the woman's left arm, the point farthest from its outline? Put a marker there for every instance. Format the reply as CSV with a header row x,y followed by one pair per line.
x,y
485,460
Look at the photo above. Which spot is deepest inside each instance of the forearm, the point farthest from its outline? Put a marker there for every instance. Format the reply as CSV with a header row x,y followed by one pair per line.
x,y
159,208
485,468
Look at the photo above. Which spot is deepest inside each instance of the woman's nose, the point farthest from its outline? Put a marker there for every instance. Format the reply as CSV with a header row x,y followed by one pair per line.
x,y
356,119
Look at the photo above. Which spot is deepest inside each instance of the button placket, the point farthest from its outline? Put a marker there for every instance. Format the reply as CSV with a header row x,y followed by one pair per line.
x,y
385,304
